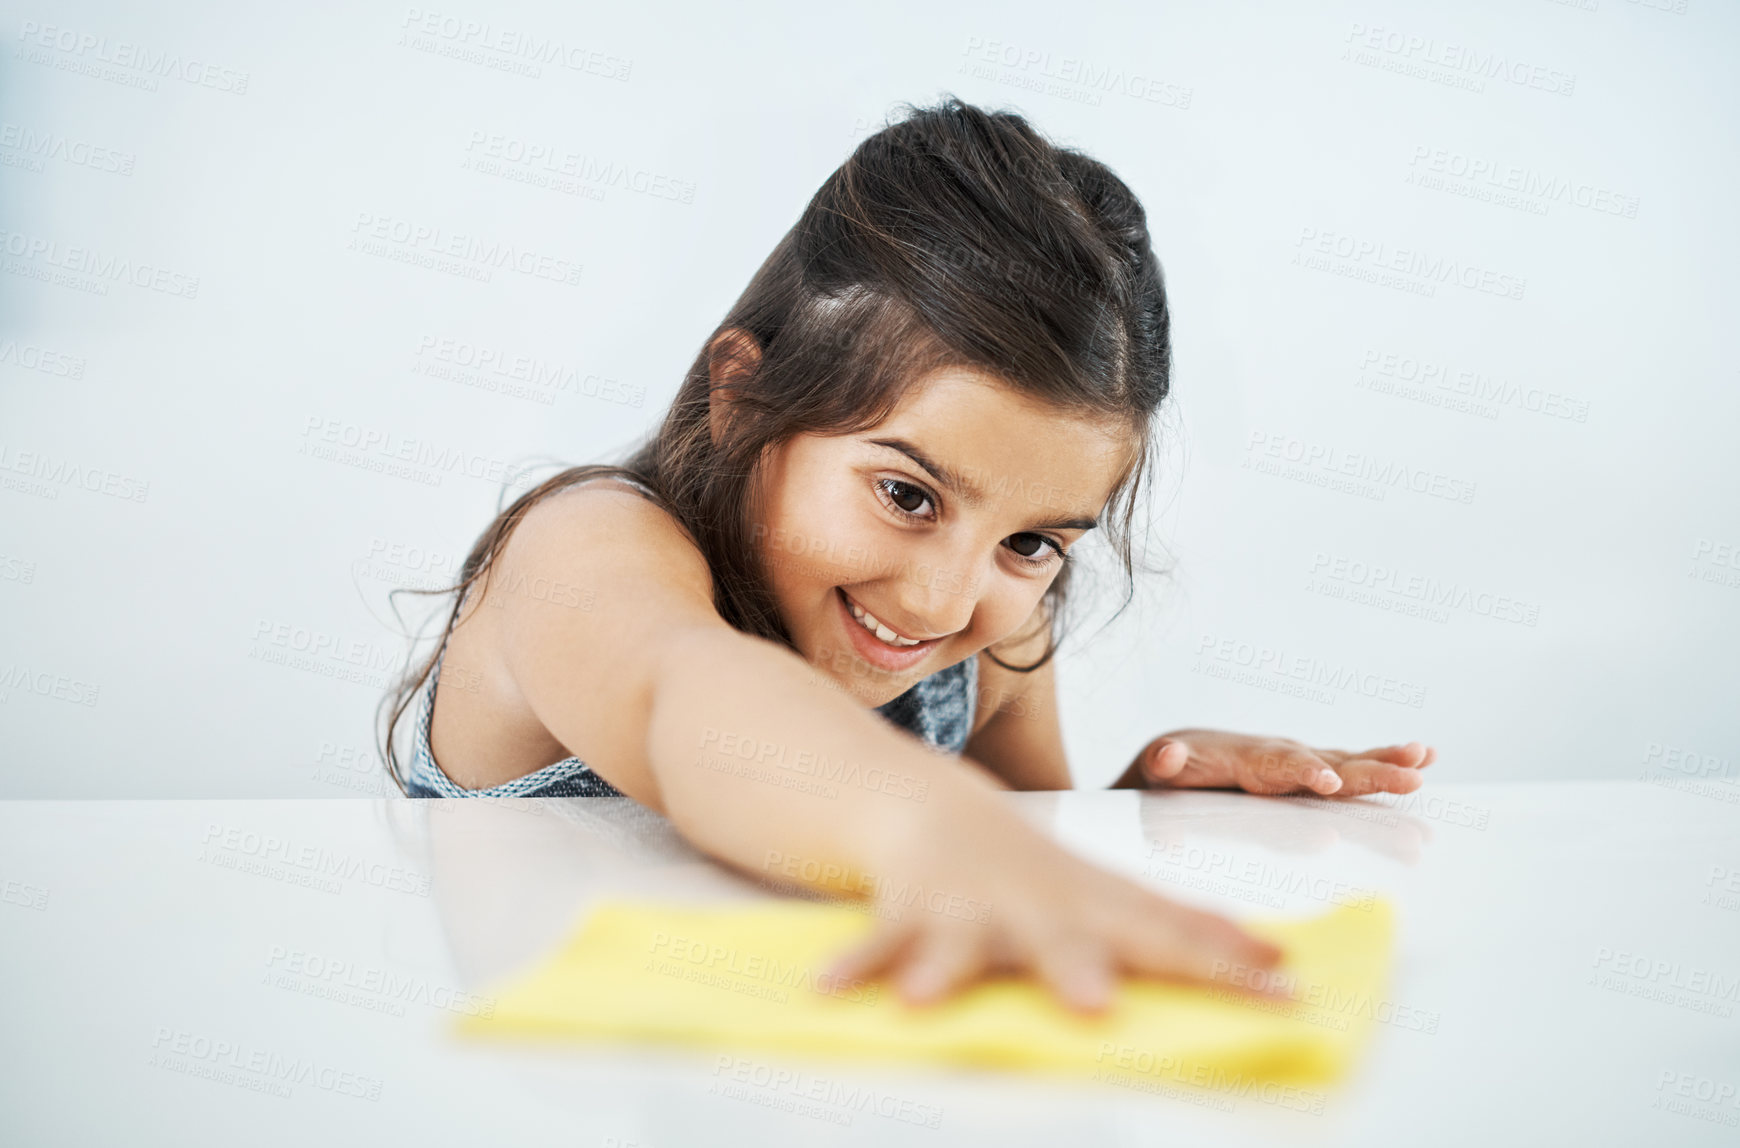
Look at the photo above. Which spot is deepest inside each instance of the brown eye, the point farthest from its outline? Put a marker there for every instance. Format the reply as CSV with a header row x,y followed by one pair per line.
x,y
906,497
1032,548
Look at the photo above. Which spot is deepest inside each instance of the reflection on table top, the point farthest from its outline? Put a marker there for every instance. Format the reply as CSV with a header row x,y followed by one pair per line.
x,y
263,972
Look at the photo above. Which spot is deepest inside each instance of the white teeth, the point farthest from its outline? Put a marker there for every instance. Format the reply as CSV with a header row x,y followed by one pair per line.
x,y
869,622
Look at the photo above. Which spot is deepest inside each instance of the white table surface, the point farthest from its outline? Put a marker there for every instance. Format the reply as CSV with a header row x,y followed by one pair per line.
x,y
1567,972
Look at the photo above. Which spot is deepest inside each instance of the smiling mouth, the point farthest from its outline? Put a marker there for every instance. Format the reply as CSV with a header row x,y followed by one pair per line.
x,y
880,629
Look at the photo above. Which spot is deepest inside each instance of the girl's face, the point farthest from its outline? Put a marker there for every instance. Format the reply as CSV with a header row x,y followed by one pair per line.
x,y
945,524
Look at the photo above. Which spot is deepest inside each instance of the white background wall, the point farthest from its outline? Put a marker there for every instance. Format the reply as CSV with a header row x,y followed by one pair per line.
x,y
169,523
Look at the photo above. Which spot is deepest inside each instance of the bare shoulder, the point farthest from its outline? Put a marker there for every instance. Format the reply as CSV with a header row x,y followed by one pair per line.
x,y
556,650
614,538
606,505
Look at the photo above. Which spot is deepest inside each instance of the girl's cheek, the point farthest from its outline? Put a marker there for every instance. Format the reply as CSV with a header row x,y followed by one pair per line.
x,y
1007,610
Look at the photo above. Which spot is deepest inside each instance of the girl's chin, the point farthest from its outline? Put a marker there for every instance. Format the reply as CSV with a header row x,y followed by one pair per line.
x,y
870,687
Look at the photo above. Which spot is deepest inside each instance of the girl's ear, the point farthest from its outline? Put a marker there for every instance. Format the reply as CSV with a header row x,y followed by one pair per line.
x,y
732,359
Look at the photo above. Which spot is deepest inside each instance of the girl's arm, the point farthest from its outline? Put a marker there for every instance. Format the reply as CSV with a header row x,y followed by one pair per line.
x,y
1022,741
727,734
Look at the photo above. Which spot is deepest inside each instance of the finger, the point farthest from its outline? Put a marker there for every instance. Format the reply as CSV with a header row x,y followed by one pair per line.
x,y
1410,756
1191,945
1074,960
871,956
1078,969
1166,759
1325,781
1162,926
1292,770
1362,776
1228,941
939,962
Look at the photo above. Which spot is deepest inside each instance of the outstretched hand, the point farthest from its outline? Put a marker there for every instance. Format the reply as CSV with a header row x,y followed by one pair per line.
x,y
1213,759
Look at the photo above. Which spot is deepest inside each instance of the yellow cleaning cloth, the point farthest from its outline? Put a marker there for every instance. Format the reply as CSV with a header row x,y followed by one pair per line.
x,y
753,976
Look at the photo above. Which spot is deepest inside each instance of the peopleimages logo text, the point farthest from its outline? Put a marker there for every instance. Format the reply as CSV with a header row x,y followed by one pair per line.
x,y
98,265
1462,59
88,47
1409,261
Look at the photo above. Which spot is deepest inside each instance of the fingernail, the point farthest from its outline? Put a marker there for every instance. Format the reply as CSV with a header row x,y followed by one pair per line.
x,y
1254,950
1089,989
923,984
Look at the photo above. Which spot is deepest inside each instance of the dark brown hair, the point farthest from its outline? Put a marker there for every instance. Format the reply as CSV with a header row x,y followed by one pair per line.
x,y
954,236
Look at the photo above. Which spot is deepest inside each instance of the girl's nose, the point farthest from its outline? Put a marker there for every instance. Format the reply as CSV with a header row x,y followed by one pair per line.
x,y
931,603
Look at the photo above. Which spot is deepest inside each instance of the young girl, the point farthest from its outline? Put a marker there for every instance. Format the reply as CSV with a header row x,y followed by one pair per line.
x,y
864,498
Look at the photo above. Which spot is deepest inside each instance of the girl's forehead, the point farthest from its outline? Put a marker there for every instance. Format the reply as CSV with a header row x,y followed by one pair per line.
x,y
980,428
966,400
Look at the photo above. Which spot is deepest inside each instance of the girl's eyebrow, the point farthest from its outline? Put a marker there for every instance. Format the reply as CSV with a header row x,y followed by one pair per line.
x,y
961,487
